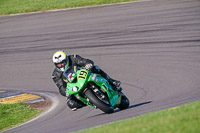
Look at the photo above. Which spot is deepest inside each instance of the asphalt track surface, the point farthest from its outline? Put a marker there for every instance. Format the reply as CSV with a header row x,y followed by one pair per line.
x,y
153,47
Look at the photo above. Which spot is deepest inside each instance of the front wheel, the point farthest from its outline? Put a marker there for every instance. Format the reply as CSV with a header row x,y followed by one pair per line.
x,y
124,102
97,102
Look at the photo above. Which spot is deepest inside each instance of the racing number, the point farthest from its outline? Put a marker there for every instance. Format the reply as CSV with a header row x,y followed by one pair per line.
x,y
82,74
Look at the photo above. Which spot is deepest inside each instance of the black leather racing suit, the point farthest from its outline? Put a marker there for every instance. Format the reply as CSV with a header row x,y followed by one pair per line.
x,y
79,62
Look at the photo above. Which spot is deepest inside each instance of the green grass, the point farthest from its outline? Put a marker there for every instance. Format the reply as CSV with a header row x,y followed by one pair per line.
x,y
23,6
183,119
13,114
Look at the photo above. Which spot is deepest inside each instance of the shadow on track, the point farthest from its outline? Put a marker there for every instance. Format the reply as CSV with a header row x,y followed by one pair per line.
x,y
131,106
134,106
139,104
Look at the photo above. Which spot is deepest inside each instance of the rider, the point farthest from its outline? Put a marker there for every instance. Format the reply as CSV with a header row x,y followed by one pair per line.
x,y
62,61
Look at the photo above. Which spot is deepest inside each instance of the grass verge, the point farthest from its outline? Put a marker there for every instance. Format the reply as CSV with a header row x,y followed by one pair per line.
x,y
183,119
13,114
23,6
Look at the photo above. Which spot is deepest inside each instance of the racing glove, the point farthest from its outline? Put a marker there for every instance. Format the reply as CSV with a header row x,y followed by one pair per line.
x,y
88,66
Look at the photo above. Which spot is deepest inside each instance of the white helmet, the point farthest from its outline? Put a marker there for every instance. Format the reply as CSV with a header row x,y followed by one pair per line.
x,y
60,60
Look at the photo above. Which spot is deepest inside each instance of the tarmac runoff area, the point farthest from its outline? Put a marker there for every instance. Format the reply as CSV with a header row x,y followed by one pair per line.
x,y
10,97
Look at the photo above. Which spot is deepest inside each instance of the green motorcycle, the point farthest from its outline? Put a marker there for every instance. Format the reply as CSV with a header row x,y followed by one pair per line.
x,y
94,90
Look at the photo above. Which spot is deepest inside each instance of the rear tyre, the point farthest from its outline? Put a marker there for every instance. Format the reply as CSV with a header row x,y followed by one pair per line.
x,y
97,102
124,102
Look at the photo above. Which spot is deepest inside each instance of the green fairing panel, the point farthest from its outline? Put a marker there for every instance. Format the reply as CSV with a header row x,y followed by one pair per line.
x,y
78,82
103,83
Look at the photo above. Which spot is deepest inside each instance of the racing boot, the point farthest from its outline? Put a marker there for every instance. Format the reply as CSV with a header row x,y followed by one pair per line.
x,y
115,83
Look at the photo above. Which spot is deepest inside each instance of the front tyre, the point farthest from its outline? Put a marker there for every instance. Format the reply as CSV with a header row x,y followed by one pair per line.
x,y
124,102
97,102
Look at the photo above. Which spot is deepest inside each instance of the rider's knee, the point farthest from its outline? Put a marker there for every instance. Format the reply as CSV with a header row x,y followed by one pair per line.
x,y
72,103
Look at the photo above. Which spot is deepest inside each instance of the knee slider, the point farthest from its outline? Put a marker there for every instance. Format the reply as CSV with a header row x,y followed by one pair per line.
x,y
71,104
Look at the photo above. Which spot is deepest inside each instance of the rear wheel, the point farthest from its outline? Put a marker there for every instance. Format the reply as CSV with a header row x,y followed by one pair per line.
x,y
97,102
124,102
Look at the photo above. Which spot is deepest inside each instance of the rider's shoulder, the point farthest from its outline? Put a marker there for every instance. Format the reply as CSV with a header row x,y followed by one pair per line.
x,y
74,56
56,71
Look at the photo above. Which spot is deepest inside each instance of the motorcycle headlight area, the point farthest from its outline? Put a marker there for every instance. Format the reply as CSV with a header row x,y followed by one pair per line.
x,y
75,88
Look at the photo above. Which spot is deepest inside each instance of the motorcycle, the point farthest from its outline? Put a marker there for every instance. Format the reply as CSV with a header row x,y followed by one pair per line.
x,y
94,90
